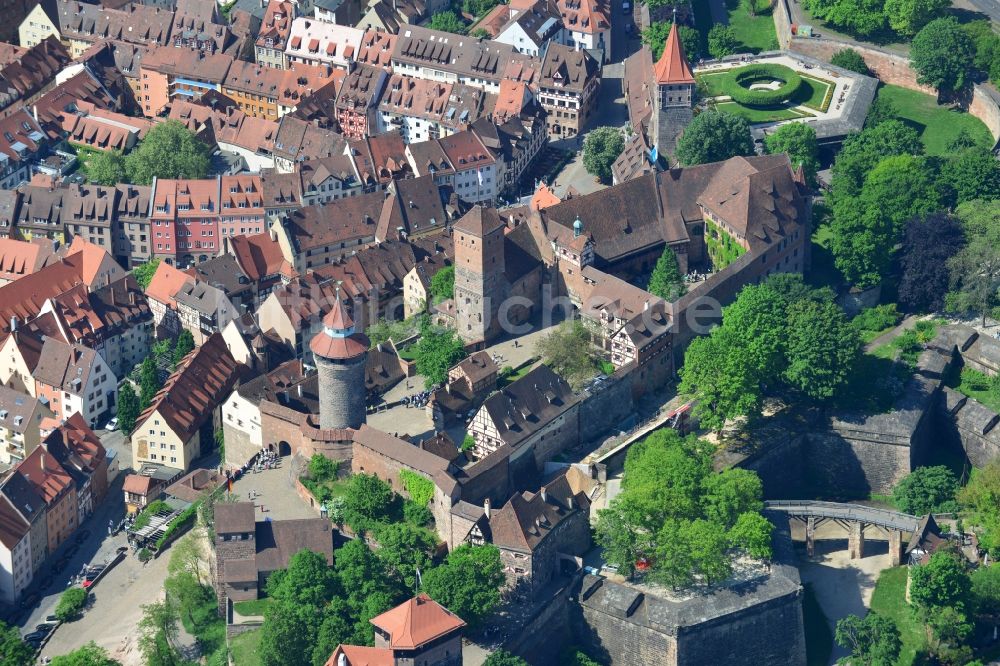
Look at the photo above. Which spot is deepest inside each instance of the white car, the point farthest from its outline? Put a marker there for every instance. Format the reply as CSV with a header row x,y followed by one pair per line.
x,y
626,7
112,424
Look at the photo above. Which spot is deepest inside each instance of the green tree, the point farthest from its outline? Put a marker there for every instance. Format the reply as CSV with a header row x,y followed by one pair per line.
x,y
975,269
687,551
601,148
907,17
13,650
567,350
158,633
821,349
362,576
655,37
722,41
574,656
972,173
368,500
143,273
729,495
504,658
714,136
88,655
106,167
170,150
403,550
850,60
862,151
752,533
940,583
468,582
443,284
986,589
799,141
982,496
926,490
307,581
149,382
448,22
861,17
716,374
186,557
322,469
128,409
950,629
436,351
881,110
71,604
942,54
872,640
666,280
288,634
335,629
185,344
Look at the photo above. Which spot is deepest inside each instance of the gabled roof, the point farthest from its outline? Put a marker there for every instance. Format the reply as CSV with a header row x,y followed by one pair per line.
x,y
416,622
528,518
673,67
166,282
480,222
360,655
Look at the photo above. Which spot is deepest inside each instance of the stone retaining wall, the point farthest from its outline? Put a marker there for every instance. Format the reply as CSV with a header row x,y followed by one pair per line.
x,y
888,67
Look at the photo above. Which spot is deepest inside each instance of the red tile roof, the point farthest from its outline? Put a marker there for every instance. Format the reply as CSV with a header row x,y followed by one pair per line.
x,y
417,622
358,655
166,282
672,67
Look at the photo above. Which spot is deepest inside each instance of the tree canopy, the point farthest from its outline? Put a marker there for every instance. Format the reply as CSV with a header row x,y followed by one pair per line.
x,y
437,350
872,640
722,41
106,167
930,242
468,582
567,350
185,344
799,141
851,60
713,136
13,650
875,18
943,54
448,21
982,496
676,519
926,490
368,500
601,148
143,273
170,150
778,334
443,284
71,604
975,269
655,37
128,409
666,280
971,173
88,655
504,658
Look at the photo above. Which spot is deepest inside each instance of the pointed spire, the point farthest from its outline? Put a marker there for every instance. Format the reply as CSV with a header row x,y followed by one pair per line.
x,y
338,319
673,67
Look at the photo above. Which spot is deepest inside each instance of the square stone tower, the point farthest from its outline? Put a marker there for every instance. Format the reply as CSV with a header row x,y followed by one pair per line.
x,y
480,285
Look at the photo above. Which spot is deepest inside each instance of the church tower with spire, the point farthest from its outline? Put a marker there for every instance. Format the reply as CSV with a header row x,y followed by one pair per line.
x,y
340,353
674,93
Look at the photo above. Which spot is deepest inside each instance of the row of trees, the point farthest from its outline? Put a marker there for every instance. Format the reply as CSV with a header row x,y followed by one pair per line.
x,y
169,150
876,18
779,336
676,519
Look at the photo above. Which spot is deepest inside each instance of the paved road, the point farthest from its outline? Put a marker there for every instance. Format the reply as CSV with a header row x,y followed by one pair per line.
x,y
989,7
905,325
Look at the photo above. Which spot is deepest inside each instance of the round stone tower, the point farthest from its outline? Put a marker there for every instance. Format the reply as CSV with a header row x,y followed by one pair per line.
x,y
340,355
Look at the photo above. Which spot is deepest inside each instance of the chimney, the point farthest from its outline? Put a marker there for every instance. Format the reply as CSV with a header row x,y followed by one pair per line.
x,y
13,324
299,390
545,495
486,507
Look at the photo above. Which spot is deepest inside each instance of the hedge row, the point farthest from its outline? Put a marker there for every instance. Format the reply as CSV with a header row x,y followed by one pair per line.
x,y
737,84
182,522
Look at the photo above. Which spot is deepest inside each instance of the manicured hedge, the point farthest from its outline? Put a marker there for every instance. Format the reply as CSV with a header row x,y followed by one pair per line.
x,y
737,84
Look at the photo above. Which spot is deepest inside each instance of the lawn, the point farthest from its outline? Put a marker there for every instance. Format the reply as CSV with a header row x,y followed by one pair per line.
x,y
756,33
822,271
819,638
889,600
243,648
759,115
977,385
252,607
938,126
814,93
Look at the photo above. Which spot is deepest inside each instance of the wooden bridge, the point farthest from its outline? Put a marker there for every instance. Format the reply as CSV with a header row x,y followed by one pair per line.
x,y
854,518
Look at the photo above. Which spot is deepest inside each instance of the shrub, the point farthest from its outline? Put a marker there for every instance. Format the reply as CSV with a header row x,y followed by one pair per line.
x,y
144,555
416,514
420,489
468,443
71,604
737,84
322,468
153,508
876,319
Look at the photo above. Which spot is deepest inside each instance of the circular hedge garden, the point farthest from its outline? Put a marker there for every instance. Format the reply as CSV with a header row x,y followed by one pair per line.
x,y
737,84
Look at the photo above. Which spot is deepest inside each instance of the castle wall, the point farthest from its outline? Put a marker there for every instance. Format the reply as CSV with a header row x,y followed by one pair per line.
x,y
609,406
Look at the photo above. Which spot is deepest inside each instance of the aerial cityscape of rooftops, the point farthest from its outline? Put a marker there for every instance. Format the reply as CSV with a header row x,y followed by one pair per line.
x,y
503,332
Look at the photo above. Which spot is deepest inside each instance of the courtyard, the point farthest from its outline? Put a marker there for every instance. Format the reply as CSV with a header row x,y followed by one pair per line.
x,y
775,89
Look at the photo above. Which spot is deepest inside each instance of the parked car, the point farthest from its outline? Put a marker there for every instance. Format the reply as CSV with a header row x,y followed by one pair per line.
x,y
626,8
45,629
112,425
51,618
35,637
